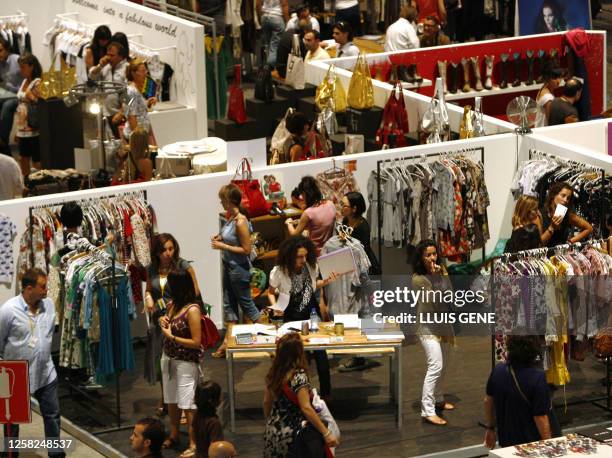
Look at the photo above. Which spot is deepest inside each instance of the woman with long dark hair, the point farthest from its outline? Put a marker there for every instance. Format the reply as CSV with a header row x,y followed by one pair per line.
x,y
27,130
550,18
234,242
97,48
165,258
182,354
551,78
436,339
206,425
287,401
558,230
295,277
318,218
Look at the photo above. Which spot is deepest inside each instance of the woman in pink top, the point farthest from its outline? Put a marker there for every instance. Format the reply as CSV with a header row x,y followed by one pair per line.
x,y
318,218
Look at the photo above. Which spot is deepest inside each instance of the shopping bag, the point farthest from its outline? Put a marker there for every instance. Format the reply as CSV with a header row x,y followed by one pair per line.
x,y
331,89
280,136
295,66
253,200
235,103
361,92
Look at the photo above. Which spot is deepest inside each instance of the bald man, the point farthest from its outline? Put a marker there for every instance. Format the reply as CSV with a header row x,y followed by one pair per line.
x,y
221,449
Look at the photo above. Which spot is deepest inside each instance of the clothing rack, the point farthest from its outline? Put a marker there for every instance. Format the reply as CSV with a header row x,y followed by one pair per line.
x,y
584,166
19,19
423,158
142,194
83,245
545,252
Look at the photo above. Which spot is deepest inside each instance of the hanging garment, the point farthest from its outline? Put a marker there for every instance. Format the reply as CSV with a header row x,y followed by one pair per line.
x,y
8,232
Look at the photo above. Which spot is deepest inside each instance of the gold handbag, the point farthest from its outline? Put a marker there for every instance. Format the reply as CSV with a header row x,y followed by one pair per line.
x,y
361,92
331,89
57,83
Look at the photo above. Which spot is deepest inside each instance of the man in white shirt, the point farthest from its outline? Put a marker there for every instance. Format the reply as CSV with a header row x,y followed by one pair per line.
x,y
11,181
302,12
312,40
402,33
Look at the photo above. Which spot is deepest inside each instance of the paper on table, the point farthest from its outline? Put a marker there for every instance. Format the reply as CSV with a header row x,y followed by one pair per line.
x,y
350,320
318,340
282,302
253,329
385,336
291,324
340,261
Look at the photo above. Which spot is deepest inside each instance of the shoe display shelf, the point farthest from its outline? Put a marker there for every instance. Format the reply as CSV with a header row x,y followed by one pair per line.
x,y
523,87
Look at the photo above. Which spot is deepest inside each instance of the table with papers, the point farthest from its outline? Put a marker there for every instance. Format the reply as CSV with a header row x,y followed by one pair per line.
x,y
264,336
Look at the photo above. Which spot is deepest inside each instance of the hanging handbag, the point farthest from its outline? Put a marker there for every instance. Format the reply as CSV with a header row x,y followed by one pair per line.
x,y
331,89
317,144
394,122
603,342
435,119
361,92
57,83
280,136
235,103
253,200
295,76
327,118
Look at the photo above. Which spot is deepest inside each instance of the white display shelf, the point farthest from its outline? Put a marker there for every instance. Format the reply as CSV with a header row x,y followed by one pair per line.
x,y
495,91
424,83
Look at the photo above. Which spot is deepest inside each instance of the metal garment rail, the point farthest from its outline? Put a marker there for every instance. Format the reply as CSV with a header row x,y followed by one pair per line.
x,y
546,252
410,158
115,320
207,22
585,166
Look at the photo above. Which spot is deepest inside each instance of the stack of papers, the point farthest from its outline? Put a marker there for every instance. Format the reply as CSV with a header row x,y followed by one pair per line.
x,y
350,321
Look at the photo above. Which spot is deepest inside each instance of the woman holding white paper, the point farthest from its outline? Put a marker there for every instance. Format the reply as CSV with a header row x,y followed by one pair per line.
x,y
436,339
559,219
295,280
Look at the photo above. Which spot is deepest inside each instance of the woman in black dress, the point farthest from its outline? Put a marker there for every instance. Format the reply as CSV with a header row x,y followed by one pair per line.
x,y
558,230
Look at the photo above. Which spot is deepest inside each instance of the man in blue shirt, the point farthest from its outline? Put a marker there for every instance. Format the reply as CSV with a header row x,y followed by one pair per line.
x,y
27,323
10,82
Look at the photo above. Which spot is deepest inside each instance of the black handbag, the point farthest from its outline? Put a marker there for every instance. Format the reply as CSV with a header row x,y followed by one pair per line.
x,y
264,90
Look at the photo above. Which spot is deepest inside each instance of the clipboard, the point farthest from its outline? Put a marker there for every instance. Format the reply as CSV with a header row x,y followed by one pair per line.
x,y
340,261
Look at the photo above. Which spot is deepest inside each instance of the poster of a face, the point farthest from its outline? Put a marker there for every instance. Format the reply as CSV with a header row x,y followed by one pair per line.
x,y
546,16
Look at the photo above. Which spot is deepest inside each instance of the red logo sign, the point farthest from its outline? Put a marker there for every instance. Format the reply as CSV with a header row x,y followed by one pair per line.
x,y
15,392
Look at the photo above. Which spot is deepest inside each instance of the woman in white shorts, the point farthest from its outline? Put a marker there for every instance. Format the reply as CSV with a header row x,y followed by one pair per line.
x,y
182,353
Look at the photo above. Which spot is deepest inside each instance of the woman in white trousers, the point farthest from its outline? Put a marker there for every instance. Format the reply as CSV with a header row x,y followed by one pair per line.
x,y
436,339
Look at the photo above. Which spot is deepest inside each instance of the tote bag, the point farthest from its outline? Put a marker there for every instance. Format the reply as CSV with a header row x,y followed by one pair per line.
x,y
394,122
253,200
295,66
361,92
57,83
331,89
280,136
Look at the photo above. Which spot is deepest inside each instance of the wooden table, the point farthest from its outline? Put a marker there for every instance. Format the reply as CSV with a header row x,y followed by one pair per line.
x,y
353,340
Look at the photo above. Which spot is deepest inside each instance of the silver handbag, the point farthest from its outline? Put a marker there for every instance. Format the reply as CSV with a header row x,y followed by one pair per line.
x,y
435,120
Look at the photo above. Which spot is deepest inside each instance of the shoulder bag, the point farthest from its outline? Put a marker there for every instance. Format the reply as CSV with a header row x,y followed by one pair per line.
x,y
57,83
394,122
317,144
280,136
361,92
264,89
295,66
253,200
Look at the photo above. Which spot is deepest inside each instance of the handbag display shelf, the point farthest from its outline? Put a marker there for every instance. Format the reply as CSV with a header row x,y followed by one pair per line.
x,y
229,131
365,122
282,90
266,113
61,131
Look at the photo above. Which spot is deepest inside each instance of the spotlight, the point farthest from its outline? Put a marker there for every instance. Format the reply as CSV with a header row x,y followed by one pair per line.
x,y
94,108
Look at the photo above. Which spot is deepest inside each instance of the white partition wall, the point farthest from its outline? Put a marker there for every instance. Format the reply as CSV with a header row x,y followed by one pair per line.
x,y
590,134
